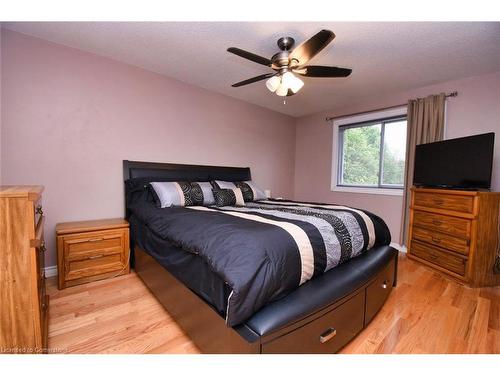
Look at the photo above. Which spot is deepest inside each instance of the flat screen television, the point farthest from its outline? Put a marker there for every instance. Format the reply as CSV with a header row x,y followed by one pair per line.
x,y
460,163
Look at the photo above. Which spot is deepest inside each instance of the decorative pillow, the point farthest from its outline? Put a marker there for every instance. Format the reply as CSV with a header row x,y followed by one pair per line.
x,y
251,192
208,195
178,193
228,197
217,184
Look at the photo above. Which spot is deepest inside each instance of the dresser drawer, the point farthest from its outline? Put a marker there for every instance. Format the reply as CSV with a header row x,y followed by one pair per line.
x,y
452,202
37,211
89,245
442,223
453,243
326,334
40,261
437,256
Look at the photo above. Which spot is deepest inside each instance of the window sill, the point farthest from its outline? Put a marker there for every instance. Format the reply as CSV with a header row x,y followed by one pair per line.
x,y
362,190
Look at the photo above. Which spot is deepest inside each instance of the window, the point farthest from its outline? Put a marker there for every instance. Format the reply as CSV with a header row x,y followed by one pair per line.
x,y
370,153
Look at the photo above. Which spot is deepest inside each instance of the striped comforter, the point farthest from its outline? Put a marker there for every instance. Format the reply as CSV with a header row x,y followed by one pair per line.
x,y
266,249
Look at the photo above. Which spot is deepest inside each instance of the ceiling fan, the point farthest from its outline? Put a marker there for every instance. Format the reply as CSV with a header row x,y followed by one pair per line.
x,y
287,63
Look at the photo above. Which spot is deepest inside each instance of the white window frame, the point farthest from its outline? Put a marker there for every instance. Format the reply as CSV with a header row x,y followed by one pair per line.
x,y
366,117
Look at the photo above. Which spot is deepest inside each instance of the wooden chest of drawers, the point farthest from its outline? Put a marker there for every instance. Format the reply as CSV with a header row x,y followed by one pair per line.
x,y
456,232
92,250
23,301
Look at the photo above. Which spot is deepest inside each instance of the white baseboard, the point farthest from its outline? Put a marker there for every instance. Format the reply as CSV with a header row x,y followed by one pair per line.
x,y
398,247
51,271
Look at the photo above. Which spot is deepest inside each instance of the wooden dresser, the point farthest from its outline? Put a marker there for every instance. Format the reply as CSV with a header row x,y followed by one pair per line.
x,y
92,250
456,232
24,303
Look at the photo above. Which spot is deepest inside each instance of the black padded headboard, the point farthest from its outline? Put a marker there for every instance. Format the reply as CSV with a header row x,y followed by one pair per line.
x,y
182,172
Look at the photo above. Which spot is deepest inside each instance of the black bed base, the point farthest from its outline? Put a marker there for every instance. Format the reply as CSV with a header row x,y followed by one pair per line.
x,y
324,331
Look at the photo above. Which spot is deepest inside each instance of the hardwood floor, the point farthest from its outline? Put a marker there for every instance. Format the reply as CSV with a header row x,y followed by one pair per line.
x,y
425,313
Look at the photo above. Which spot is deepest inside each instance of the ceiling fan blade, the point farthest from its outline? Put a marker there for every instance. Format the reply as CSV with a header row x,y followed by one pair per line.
x,y
307,50
323,71
250,56
254,79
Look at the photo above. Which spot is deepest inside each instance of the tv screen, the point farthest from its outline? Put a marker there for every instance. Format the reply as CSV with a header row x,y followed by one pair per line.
x,y
455,163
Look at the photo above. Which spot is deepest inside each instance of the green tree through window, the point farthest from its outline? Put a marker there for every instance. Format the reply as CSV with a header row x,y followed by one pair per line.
x,y
367,162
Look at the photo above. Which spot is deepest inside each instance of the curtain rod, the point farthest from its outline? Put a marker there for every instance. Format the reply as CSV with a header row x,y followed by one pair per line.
x,y
449,95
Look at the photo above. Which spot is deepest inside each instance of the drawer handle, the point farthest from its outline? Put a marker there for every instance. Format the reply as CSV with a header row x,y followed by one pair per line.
x,y
95,256
433,256
384,284
436,240
39,209
437,222
95,239
438,201
329,334
42,247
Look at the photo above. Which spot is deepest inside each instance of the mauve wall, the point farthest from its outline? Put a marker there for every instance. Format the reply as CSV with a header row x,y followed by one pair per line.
x,y
71,117
475,110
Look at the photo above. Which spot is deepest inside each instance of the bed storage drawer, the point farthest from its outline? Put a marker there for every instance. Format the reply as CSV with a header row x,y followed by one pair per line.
x,y
326,334
378,291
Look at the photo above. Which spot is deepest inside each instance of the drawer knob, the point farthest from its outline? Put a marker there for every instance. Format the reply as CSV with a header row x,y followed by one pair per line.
x,y
329,334
39,209
384,284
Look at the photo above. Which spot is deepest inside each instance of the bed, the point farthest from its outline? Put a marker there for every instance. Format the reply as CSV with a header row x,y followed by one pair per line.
x,y
319,316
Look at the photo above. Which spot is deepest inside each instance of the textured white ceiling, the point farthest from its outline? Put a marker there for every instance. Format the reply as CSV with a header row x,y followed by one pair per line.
x,y
385,57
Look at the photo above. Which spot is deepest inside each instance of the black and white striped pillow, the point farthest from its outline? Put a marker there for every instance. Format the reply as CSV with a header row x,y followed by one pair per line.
x,y
251,192
178,194
228,197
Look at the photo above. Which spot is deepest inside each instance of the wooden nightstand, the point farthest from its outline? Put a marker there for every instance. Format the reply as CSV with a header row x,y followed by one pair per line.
x,y
92,250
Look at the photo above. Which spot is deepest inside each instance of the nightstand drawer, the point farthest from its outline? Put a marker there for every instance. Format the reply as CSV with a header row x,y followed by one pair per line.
x,y
94,265
451,202
86,245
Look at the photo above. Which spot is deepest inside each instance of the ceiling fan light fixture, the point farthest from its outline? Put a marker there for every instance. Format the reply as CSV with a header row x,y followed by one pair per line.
x,y
296,85
290,81
282,90
289,62
273,83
